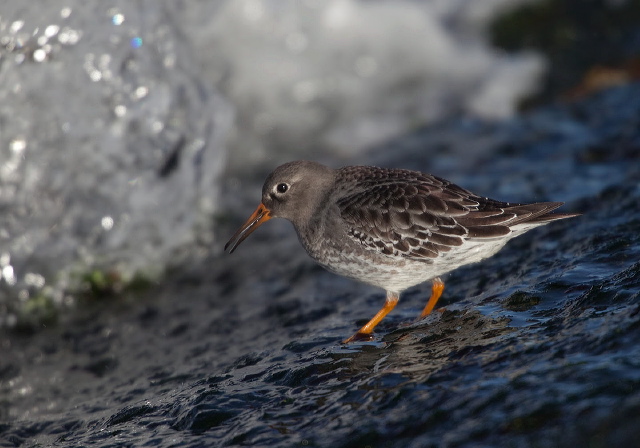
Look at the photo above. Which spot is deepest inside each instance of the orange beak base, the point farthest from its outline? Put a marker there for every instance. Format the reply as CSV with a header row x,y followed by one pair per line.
x,y
261,215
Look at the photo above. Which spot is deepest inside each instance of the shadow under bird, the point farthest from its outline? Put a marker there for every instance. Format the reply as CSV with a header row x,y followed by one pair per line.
x,y
390,228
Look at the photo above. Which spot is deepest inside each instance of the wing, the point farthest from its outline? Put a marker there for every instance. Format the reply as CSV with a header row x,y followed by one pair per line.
x,y
419,216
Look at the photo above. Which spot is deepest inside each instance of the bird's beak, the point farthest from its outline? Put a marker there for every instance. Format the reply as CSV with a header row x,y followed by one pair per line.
x,y
262,214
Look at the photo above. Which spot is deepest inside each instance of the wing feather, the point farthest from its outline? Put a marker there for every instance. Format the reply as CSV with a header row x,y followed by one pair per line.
x,y
419,216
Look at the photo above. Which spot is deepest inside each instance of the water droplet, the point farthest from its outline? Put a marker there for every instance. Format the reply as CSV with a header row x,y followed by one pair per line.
x,y
107,222
120,110
117,19
39,55
7,273
33,279
51,30
136,42
141,92
95,75
17,146
68,36
16,26
157,126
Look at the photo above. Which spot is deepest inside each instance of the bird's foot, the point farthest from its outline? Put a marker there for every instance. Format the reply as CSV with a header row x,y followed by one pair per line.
x,y
359,337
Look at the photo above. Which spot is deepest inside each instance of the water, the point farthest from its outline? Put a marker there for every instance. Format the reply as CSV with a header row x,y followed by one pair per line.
x,y
537,346
111,147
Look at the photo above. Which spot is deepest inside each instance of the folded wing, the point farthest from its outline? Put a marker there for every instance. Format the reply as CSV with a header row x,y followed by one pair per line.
x,y
419,216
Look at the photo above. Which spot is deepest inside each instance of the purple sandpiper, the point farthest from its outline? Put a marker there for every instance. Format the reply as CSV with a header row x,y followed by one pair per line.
x,y
390,228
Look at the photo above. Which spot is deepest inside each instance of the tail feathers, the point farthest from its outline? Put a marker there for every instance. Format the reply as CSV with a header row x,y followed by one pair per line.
x,y
538,213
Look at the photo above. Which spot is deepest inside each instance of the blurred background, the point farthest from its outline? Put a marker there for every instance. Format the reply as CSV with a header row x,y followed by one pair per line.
x,y
135,137
120,122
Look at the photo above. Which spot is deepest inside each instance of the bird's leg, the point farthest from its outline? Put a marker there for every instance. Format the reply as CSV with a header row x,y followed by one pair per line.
x,y
364,334
436,292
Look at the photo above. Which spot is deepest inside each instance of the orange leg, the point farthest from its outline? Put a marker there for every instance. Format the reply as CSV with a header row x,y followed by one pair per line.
x,y
364,334
436,292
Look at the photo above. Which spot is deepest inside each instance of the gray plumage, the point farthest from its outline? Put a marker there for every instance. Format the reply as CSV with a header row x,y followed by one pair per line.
x,y
390,228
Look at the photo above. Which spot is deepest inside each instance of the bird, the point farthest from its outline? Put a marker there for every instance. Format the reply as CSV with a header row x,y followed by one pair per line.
x,y
390,228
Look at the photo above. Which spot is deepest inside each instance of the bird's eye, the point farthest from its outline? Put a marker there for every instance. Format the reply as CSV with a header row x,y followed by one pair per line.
x,y
282,188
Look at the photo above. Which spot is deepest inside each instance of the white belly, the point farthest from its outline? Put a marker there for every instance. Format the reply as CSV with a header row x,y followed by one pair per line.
x,y
399,273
